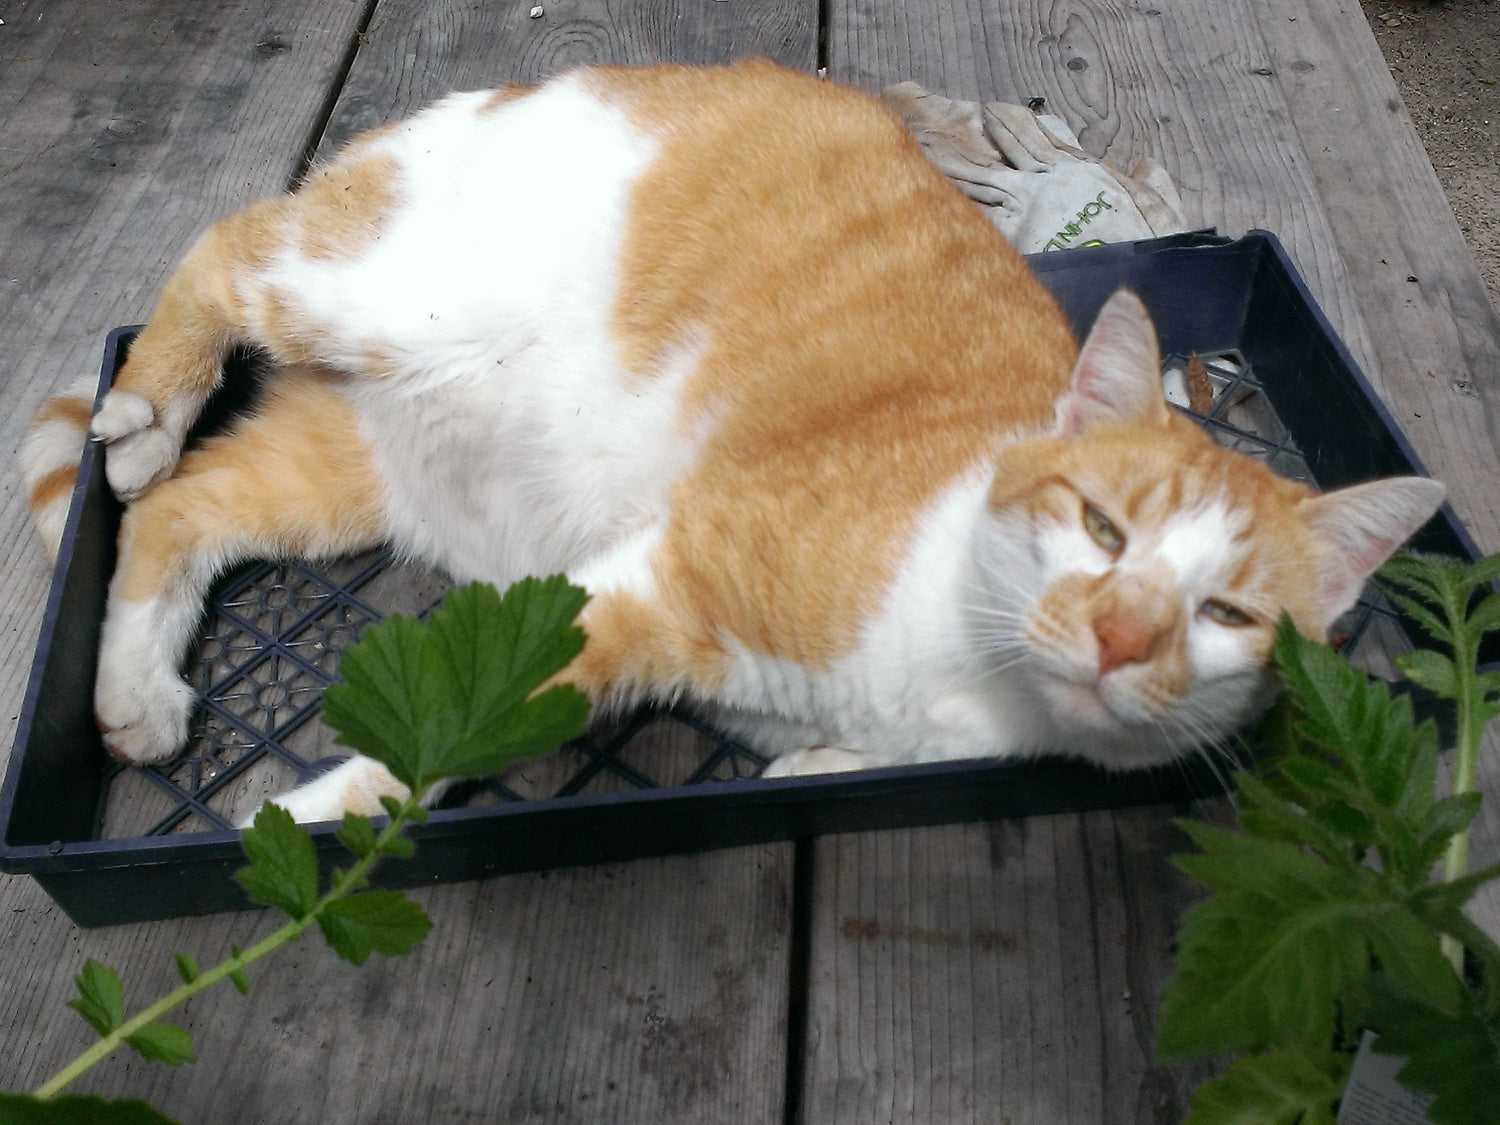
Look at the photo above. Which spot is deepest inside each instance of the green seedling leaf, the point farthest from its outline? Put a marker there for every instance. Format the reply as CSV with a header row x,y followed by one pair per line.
x,y
398,847
1268,961
1266,814
357,834
72,1109
283,869
1455,1056
187,967
163,1043
455,698
1431,670
1356,720
1444,820
101,997
1281,1088
375,922
239,978
1485,617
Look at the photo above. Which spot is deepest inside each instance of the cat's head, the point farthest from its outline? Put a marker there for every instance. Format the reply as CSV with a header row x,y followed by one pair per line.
x,y
1142,568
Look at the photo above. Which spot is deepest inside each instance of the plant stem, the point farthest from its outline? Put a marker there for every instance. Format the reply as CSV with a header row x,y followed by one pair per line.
x,y
1471,724
346,883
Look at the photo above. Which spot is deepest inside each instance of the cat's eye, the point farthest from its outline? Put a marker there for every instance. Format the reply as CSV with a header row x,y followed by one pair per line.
x,y
1225,614
1101,531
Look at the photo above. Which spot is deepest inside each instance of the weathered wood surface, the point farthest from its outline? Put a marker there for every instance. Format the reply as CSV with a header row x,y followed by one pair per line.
x,y
1196,86
980,972
655,992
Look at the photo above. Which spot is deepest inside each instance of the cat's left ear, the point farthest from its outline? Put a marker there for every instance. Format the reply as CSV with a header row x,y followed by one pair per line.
x,y
1118,375
1360,528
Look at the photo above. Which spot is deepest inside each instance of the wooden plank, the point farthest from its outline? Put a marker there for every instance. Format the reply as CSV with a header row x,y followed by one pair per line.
x,y
652,992
1002,971
1195,86
416,51
1190,84
535,999
124,130
1432,324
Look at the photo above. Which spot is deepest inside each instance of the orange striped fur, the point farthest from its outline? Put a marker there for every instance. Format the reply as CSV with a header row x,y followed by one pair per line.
x,y
723,346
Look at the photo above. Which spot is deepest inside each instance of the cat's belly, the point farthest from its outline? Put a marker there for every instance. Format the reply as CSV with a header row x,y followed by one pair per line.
x,y
535,473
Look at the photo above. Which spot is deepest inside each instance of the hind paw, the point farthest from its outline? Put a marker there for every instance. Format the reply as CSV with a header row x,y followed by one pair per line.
x,y
140,450
143,720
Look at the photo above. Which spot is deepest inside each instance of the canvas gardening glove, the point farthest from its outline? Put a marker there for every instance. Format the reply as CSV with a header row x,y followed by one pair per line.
x,y
1032,179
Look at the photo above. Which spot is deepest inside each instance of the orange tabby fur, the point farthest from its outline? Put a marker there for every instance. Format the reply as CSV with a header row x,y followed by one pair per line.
x,y
844,382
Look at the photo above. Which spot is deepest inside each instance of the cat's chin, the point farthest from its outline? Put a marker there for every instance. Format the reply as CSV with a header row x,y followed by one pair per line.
x,y
1078,705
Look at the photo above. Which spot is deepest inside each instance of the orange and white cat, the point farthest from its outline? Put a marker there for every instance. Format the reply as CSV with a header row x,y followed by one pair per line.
x,y
721,345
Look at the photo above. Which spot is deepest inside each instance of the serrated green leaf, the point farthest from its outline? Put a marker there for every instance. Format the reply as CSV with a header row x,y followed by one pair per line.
x,y
1420,612
1264,813
101,997
1484,617
391,806
1453,1055
357,834
1386,762
283,869
378,706
375,922
1268,961
1431,670
1444,820
454,697
1280,1088
187,967
76,1109
163,1043
398,847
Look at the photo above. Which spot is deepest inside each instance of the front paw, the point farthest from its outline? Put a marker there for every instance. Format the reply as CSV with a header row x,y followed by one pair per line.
x,y
352,786
140,450
815,760
143,720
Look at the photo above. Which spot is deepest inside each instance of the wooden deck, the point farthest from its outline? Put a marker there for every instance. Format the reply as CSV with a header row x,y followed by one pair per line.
x,y
991,972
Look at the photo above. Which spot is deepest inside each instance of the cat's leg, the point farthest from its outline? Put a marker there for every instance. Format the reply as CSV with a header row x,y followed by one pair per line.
x,y
175,363
294,480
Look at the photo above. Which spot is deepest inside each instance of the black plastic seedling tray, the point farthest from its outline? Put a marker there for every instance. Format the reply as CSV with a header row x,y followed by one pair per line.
x,y
114,845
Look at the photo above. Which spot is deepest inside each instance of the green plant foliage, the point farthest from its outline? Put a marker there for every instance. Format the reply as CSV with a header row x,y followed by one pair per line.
x,y
163,1043
70,1109
1454,1054
455,697
1282,1088
1326,918
373,922
283,869
101,997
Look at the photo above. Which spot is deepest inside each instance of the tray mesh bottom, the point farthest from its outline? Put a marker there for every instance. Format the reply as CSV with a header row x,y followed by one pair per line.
x,y
272,634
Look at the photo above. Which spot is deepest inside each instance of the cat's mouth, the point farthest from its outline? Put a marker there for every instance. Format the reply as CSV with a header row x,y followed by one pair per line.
x,y
1082,701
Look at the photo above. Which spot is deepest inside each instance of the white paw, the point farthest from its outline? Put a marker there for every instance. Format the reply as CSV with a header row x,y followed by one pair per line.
x,y
815,760
140,451
143,719
354,786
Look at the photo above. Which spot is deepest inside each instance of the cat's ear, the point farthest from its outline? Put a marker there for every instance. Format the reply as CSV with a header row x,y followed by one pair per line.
x,y
1119,370
1360,528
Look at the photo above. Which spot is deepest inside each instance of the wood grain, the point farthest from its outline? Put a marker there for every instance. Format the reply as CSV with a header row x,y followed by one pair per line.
x,y
908,1020
649,992
415,50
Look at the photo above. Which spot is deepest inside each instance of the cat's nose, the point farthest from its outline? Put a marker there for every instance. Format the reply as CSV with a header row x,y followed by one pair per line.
x,y
1122,640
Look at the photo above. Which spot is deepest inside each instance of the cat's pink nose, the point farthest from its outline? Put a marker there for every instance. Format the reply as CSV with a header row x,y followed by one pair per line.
x,y
1121,641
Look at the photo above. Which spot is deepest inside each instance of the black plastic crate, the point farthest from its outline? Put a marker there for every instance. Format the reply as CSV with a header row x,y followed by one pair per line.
x,y
114,845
